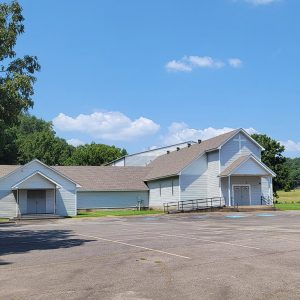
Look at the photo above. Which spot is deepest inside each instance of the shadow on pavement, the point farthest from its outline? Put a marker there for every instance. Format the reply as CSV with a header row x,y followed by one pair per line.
x,y
22,241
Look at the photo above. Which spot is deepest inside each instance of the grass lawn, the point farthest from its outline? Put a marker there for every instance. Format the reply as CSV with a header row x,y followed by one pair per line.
x,y
119,212
3,220
289,197
288,206
288,200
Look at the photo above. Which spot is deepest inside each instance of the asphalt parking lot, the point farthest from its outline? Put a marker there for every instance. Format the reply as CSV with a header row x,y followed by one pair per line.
x,y
186,256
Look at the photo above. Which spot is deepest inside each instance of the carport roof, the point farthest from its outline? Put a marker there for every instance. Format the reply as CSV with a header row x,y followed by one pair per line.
x,y
104,178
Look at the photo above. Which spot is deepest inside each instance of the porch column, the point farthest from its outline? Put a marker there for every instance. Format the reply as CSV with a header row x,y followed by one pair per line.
x,y
229,191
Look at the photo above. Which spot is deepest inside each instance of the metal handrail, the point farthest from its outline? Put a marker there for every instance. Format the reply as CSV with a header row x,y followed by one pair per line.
x,y
194,204
267,201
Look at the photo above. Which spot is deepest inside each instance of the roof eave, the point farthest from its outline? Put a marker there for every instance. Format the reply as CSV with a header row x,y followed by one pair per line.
x,y
247,134
161,177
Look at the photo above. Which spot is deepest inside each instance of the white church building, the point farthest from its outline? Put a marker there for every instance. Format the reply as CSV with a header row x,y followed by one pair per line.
x,y
228,166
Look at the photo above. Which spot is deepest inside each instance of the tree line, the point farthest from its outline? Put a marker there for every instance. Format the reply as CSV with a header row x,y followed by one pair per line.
x,y
35,138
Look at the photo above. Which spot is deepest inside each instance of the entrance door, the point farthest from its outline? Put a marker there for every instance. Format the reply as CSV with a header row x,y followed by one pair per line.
x,y
241,195
36,201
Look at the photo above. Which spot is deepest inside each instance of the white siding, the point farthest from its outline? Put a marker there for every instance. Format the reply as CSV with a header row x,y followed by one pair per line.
x,y
23,201
36,182
65,198
250,167
224,189
212,172
119,163
144,158
160,191
89,200
193,181
8,207
50,201
230,151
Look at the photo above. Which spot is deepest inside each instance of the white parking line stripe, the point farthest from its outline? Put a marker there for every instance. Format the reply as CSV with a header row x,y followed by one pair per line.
x,y
211,241
132,245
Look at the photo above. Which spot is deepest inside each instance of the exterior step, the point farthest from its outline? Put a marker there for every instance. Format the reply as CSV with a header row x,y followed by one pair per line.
x,y
38,217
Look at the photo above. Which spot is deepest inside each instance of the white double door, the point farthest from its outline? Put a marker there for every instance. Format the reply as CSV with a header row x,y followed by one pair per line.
x,y
241,195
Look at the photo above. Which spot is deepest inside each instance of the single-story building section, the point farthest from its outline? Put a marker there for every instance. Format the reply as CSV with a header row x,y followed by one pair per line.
x,y
36,188
108,187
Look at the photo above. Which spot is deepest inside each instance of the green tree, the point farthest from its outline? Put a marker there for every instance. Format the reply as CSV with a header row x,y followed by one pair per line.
x,y
293,164
273,157
35,138
16,74
95,155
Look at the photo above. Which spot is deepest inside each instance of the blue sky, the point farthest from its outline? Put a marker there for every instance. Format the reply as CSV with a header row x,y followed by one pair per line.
x,y
146,73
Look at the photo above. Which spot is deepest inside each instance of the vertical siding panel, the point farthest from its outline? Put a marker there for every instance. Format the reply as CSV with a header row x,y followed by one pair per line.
x,y
224,189
213,187
50,201
157,198
193,181
23,201
7,204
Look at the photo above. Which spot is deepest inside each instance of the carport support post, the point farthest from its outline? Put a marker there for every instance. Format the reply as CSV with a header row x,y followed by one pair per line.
x,y
229,191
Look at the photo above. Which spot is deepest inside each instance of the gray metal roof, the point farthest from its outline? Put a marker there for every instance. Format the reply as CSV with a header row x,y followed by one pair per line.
x,y
173,163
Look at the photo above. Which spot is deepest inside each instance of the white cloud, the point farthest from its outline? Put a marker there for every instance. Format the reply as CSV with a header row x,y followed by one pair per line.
x,y
261,2
204,62
180,132
106,125
291,146
189,63
174,65
235,62
75,142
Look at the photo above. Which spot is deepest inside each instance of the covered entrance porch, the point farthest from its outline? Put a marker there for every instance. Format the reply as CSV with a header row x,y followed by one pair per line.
x,y
36,195
246,182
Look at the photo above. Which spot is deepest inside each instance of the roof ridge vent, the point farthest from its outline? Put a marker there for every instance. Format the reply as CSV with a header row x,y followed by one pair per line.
x,y
168,152
199,141
189,145
178,148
